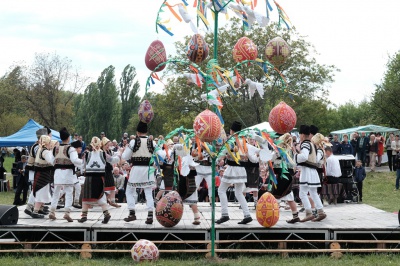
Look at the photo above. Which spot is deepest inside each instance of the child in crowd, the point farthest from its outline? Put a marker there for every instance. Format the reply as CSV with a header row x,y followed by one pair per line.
x,y
359,176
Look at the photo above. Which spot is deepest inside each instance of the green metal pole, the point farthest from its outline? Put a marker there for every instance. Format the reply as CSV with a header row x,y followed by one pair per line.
x,y
214,159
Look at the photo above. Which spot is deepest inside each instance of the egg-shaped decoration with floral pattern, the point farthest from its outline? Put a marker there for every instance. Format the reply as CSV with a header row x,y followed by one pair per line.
x,y
277,51
169,209
197,49
282,118
244,49
267,210
207,126
145,112
145,250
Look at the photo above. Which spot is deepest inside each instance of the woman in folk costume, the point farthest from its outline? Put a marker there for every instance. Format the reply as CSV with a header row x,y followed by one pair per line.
x,y
139,152
30,166
253,174
66,159
235,174
167,167
93,190
43,175
307,160
109,183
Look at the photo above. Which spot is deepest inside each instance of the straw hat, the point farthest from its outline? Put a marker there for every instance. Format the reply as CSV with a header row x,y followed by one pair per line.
x,y
95,143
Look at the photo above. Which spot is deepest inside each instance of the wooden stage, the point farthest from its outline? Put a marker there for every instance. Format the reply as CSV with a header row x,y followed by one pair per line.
x,y
344,222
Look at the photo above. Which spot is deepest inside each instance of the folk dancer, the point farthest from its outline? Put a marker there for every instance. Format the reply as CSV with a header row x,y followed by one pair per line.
x,y
309,180
78,176
109,183
140,151
30,167
167,168
235,174
203,169
253,175
44,162
66,159
93,189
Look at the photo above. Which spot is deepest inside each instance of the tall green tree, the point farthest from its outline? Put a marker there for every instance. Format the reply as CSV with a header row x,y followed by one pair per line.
x,y
129,89
306,79
385,98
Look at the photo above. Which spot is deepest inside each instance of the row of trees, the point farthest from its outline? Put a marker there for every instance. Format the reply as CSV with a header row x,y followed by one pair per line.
x,y
55,94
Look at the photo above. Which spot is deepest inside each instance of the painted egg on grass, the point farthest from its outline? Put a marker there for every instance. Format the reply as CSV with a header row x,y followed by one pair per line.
x,y
277,51
267,210
282,118
145,250
145,112
244,49
169,209
197,49
207,126
155,55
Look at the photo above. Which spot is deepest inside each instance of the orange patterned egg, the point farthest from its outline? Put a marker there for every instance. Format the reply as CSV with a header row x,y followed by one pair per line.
x,y
169,209
267,210
207,126
244,49
282,118
197,49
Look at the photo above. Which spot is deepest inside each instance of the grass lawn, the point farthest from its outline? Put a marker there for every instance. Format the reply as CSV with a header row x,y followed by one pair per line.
x,y
378,192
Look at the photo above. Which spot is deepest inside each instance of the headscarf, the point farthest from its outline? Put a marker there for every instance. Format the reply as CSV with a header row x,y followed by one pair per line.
x,y
95,143
44,140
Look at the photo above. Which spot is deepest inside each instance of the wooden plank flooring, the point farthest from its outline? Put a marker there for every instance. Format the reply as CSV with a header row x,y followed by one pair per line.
x,y
340,217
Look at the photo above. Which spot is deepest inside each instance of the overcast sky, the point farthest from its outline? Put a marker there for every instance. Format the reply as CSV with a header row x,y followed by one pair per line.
x,y
357,36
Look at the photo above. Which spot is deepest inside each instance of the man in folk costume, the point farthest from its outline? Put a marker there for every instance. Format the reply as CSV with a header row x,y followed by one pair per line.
x,y
309,180
253,175
30,166
235,174
77,144
43,175
93,190
109,183
66,159
140,151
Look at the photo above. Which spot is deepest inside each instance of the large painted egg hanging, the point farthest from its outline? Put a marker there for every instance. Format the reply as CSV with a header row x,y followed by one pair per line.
x,y
277,51
145,112
282,118
155,55
207,126
244,49
197,49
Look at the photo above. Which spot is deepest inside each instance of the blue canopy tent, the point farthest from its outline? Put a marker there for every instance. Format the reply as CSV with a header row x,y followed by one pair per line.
x,y
26,136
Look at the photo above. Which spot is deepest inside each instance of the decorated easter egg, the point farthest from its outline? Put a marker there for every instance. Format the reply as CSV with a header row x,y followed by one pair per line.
x,y
155,55
145,112
197,49
169,209
267,210
145,250
277,51
207,126
244,49
282,118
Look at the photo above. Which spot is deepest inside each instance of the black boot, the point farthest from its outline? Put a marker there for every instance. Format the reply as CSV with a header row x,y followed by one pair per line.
x,y
223,219
149,219
246,220
107,217
131,217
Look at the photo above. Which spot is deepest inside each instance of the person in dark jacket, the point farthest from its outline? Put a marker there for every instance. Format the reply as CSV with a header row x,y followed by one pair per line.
x,y
361,148
345,146
336,146
359,176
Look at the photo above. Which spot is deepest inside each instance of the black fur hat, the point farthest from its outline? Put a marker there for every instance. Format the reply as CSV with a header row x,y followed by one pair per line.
x,y
64,134
304,129
313,129
76,144
236,126
141,127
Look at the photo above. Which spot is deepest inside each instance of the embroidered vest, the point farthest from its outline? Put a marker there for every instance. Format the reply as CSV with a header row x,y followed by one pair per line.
x,y
32,155
40,162
95,162
311,161
142,153
62,159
